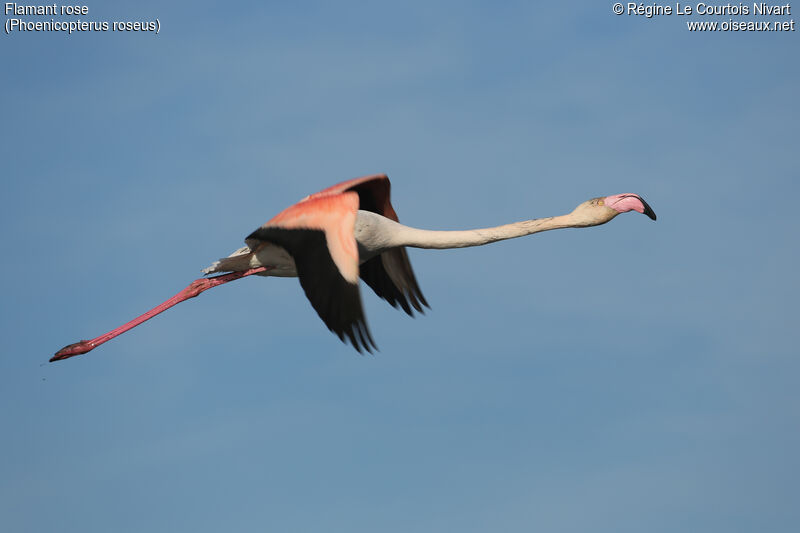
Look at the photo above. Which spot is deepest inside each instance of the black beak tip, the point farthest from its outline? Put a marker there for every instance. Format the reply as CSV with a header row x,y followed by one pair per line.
x,y
648,210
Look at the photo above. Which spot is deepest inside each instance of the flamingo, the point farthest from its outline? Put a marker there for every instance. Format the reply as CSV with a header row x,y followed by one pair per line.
x,y
349,231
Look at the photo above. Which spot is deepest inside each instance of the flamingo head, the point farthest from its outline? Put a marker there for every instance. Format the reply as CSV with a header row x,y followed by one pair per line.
x,y
600,210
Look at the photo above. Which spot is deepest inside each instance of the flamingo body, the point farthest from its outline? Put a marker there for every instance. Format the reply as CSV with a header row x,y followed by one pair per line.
x,y
315,239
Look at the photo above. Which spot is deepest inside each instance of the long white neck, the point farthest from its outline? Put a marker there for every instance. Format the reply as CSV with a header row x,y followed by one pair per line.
x,y
375,232
420,238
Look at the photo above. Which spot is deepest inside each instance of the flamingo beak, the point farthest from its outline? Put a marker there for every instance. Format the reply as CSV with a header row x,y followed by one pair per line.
x,y
622,203
647,209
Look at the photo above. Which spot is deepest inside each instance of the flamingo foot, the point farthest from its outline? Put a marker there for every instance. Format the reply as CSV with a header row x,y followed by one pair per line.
x,y
77,348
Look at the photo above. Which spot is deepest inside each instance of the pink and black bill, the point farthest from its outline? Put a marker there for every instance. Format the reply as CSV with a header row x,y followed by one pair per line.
x,y
630,202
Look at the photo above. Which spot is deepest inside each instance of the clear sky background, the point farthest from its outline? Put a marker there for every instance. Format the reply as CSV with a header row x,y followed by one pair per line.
x,y
633,377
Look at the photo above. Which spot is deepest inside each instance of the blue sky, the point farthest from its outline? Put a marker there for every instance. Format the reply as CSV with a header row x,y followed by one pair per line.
x,y
638,376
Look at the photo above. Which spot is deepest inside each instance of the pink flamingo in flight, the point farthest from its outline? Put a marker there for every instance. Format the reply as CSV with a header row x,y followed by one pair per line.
x,y
350,230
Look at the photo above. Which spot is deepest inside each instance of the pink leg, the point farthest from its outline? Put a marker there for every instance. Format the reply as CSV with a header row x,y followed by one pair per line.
x,y
194,289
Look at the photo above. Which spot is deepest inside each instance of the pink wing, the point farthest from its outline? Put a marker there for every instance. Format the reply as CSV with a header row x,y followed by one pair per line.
x,y
318,234
390,275
335,216
375,188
